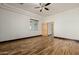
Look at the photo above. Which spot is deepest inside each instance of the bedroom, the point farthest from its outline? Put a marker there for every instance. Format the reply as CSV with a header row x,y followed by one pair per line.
x,y
39,28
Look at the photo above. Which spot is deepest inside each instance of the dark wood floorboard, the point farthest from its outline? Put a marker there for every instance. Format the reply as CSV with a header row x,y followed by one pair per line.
x,y
40,46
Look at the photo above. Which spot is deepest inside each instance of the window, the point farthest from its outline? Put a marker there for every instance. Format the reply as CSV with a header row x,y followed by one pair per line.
x,y
33,25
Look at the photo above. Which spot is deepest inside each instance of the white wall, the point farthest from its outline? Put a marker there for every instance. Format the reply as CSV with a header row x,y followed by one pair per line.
x,y
14,23
67,24
49,18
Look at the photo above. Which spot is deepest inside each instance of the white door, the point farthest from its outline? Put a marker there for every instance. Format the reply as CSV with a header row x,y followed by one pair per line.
x,y
50,28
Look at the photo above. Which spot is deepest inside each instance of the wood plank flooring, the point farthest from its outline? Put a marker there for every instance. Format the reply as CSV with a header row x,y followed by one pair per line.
x,y
40,46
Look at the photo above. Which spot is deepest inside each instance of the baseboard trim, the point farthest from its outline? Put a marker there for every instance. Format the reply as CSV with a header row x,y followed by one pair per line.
x,y
21,38
63,38
29,37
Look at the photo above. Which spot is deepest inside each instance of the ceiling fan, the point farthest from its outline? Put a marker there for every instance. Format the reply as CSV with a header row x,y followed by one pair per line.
x,y
43,6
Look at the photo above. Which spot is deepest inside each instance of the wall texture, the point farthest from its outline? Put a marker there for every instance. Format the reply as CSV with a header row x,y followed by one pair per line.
x,y
67,24
14,23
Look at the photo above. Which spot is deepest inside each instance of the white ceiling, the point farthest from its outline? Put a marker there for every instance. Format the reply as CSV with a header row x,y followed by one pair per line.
x,y
54,7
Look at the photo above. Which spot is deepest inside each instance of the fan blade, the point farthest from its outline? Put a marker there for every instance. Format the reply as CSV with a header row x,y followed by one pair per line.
x,y
47,4
46,9
40,4
21,3
37,7
41,10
